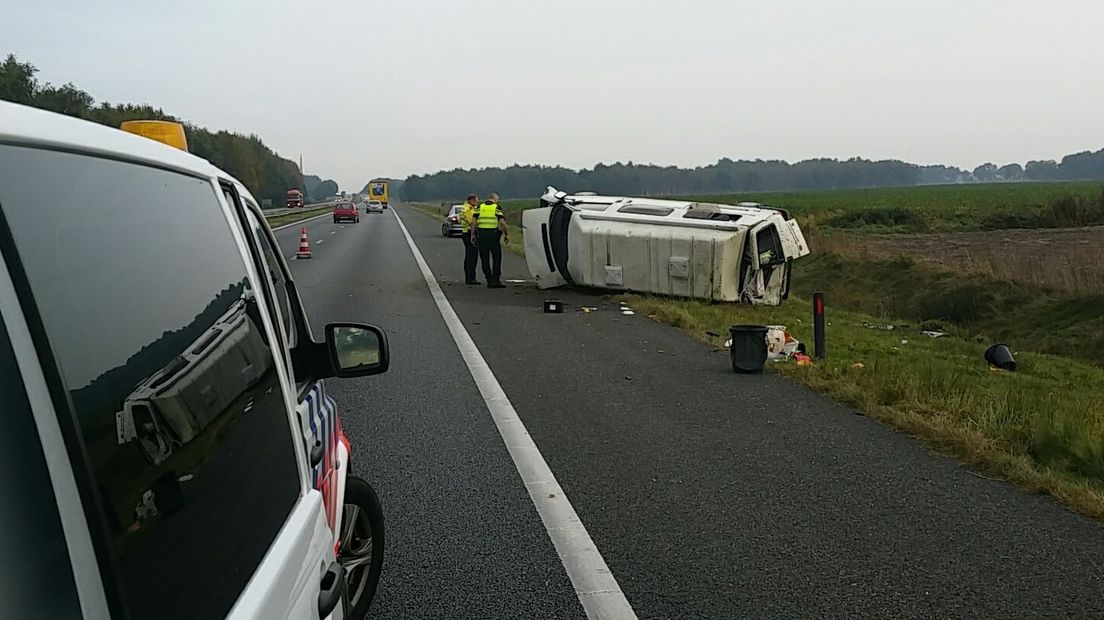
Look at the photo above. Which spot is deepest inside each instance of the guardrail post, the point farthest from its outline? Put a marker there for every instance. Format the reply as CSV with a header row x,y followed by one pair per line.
x,y
818,326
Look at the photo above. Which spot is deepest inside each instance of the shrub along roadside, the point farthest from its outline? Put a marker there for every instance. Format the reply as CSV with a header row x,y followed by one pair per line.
x,y
1040,427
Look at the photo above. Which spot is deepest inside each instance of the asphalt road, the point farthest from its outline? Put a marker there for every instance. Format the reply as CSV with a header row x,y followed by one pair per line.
x,y
710,495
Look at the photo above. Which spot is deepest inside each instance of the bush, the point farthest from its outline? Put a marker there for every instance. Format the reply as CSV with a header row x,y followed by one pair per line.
x,y
897,218
1074,211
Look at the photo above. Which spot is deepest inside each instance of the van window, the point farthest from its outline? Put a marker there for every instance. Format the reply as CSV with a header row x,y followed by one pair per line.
x,y
159,341
38,580
708,211
646,210
770,246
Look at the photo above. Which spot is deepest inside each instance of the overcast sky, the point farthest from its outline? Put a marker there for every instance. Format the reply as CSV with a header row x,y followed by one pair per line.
x,y
369,88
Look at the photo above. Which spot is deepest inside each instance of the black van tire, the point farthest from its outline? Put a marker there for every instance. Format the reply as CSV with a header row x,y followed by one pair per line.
x,y
362,502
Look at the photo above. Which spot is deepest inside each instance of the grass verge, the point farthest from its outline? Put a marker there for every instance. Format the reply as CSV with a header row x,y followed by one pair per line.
x,y
516,242
288,218
1041,427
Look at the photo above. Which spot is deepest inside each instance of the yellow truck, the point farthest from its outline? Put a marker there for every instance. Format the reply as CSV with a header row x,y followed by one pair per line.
x,y
377,190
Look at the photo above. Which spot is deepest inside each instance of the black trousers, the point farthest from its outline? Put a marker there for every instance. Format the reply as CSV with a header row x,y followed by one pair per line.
x,y
471,256
490,253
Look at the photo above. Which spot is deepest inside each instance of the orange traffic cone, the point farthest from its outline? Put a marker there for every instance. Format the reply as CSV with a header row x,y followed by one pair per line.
x,y
304,245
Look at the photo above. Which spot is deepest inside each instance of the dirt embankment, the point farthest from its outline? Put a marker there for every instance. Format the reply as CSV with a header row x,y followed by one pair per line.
x,y
1066,259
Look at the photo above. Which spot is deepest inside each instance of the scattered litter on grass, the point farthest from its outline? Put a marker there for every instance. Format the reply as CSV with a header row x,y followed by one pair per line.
x,y
1000,356
627,312
185,478
858,365
728,343
780,343
883,326
803,359
933,334
903,341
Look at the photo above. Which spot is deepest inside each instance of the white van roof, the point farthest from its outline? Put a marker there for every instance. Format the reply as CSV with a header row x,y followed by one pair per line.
x,y
21,124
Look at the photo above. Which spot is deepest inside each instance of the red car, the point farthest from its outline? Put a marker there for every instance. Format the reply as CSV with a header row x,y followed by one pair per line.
x,y
345,211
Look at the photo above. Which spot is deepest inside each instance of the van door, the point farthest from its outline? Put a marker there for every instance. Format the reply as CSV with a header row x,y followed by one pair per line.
x,y
538,248
766,278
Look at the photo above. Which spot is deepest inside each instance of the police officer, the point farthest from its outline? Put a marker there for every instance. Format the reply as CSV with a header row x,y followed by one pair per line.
x,y
471,252
488,232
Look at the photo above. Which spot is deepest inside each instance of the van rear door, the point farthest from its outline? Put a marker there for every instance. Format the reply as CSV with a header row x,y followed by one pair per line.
x,y
766,280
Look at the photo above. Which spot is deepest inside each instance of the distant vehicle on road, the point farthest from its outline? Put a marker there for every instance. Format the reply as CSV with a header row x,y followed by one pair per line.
x,y
173,440
294,199
374,206
451,226
717,252
377,190
345,211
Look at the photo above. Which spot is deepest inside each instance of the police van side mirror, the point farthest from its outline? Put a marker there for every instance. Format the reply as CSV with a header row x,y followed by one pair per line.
x,y
356,350
350,350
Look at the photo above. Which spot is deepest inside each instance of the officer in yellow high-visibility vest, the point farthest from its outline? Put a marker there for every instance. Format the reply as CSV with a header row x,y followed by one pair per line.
x,y
488,233
471,252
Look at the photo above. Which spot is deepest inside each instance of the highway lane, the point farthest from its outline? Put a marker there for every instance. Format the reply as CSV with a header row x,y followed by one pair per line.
x,y
463,538
709,494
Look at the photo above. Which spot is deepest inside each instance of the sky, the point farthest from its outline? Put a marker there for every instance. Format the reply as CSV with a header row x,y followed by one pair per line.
x,y
388,89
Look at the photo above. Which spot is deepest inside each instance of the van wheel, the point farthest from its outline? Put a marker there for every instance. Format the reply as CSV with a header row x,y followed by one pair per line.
x,y
361,550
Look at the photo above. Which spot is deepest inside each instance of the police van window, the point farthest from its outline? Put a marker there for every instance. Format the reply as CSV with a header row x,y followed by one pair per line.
x,y
38,582
157,333
276,275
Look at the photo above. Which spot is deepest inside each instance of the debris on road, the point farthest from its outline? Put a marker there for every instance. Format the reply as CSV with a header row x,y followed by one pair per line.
x,y
749,347
553,306
627,312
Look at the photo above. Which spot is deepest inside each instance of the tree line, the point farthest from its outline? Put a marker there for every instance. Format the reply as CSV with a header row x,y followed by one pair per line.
x,y
247,158
729,176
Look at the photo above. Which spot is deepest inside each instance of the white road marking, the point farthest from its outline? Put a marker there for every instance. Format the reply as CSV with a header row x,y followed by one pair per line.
x,y
594,584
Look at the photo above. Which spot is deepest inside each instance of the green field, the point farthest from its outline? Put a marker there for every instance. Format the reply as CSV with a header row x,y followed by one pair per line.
x,y
931,208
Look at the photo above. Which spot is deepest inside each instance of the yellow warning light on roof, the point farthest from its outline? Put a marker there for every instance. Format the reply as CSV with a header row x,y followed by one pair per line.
x,y
166,132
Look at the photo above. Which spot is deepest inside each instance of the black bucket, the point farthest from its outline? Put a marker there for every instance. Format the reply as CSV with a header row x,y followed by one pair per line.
x,y
1000,356
749,347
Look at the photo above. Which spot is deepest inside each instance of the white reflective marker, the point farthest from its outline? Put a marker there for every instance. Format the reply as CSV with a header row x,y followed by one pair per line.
x,y
594,584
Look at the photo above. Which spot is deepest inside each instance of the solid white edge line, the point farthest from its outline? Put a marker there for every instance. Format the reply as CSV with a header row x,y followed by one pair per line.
x,y
596,587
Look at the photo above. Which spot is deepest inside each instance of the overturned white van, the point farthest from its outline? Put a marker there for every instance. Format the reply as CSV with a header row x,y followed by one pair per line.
x,y
709,251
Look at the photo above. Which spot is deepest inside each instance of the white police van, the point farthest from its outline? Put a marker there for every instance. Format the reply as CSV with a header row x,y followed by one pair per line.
x,y
168,450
